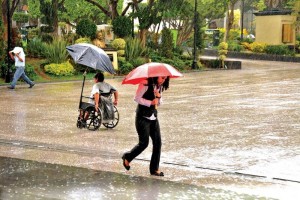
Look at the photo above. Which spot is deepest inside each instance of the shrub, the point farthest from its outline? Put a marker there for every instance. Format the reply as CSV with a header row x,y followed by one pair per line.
x,y
118,43
62,69
83,40
121,52
222,51
246,46
29,70
47,29
233,46
278,49
56,52
36,48
257,47
125,67
33,33
2,46
134,49
46,38
21,17
86,28
166,47
70,38
122,26
138,61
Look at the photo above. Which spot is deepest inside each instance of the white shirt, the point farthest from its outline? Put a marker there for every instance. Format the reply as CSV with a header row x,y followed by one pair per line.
x,y
18,63
100,87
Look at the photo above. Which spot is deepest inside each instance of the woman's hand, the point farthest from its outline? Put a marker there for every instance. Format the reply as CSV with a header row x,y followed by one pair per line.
x,y
154,101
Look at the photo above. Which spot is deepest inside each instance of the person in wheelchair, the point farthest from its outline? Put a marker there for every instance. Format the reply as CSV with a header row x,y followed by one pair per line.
x,y
101,92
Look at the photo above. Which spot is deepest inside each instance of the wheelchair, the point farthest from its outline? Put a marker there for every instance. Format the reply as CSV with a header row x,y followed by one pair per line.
x,y
107,113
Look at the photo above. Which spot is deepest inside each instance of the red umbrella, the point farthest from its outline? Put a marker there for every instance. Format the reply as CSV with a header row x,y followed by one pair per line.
x,y
148,70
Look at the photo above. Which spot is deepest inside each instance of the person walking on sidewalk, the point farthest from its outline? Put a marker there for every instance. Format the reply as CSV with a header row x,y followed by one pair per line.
x,y
18,55
148,97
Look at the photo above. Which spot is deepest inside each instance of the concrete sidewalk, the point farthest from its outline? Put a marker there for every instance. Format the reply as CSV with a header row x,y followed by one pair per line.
x,y
231,130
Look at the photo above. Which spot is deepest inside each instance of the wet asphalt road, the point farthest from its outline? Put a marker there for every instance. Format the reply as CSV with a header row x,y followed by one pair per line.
x,y
227,134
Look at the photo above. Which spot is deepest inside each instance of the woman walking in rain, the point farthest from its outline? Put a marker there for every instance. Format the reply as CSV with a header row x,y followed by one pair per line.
x,y
148,96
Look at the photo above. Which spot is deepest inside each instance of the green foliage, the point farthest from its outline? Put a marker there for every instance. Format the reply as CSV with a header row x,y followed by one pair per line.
x,y
2,47
134,49
166,46
71,37
3,68
56,52
234,46
21,17
148,14
29,70
125,67
47,38
121,52
118,44
138,61
47,29
86,28
122,26
62,69
33,33
222,51
83,40
49,10
257,47
176,61
278,50
36,48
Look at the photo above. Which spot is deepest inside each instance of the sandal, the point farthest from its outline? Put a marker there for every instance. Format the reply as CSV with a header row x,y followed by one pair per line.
x,y
158,174
127,167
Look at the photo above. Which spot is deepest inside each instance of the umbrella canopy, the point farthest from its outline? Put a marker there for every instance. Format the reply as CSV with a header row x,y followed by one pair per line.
x,y
91,56
148,70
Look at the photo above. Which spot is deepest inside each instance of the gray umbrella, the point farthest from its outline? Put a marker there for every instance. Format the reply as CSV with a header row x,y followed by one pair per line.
x,y
91,56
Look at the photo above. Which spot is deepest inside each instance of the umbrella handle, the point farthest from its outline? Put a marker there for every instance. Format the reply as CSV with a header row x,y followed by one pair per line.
x,y
84,75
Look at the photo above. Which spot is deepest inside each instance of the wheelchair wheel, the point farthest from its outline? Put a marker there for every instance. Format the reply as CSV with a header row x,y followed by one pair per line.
x,y
94,120
114,122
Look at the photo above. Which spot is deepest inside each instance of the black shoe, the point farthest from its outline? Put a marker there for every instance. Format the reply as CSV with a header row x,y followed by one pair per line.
x,y
127,167
158,174
10,87
31,85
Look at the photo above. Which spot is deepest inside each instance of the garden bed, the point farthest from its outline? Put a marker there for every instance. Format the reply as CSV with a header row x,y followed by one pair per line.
x,y
216,63
253,56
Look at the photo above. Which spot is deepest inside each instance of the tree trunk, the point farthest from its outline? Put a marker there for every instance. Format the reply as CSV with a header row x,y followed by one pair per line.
x,y
230,19
55,17
143,36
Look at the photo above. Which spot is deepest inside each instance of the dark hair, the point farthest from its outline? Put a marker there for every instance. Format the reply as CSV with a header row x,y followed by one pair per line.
x,y
99,76
153,81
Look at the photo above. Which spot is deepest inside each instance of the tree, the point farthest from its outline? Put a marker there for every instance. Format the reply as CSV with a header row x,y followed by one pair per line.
x,y
122,26
230,18
13,6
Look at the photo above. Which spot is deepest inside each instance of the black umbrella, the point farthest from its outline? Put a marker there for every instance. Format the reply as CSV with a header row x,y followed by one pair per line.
x,y
91,56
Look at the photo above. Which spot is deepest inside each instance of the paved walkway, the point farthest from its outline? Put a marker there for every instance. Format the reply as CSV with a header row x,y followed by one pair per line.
x,y
231,131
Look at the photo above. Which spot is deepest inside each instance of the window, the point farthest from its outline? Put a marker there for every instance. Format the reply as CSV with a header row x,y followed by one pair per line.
x,y
287,33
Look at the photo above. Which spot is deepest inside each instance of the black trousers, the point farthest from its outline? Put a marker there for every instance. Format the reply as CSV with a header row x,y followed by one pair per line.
x,y
146,128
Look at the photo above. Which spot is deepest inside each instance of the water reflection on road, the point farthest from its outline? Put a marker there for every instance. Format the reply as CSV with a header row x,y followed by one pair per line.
x,y
244,121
